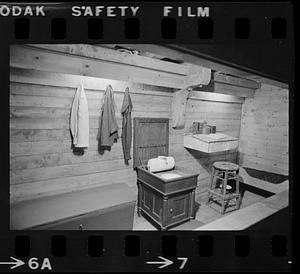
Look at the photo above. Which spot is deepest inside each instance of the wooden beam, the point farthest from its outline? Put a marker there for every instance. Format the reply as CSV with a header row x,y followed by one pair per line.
x,y
222,88
210,96
236,81
101,53
86,64
45,60
233,90
228,68
60,80
195,75
178,52
199,76
178,108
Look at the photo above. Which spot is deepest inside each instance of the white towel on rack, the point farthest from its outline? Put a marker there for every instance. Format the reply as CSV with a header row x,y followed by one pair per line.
x,y
79,119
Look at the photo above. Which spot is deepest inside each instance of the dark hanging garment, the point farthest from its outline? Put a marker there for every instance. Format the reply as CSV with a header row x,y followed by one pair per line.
x,y
126,125
108,127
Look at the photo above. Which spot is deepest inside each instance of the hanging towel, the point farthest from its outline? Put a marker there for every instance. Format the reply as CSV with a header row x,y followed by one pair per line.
x,y
108,127
79,119
126,125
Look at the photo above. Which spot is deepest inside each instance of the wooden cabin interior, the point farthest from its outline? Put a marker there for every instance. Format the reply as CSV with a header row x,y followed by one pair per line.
x,y
53,188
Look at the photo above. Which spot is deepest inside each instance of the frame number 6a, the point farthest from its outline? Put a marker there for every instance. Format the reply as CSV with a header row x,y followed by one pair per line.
x,y
35,263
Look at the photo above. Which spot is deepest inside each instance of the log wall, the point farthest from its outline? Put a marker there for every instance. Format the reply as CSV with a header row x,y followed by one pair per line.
x,y
223,111
41,159
264,139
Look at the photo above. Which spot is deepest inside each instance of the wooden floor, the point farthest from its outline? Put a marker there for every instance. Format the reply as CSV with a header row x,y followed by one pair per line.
x,y
257,195
204,215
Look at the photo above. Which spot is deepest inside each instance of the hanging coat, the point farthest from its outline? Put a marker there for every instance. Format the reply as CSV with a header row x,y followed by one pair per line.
x,y
126,125
108,127
79,119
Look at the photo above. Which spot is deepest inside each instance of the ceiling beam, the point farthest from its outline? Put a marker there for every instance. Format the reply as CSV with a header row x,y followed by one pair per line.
x,y
45,60
180,53
112,55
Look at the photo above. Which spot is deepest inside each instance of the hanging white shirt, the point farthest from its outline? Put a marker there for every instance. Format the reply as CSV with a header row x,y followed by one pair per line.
x,y
79,119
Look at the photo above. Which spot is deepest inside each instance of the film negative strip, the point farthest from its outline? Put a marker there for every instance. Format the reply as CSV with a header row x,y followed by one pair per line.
x,y
146,136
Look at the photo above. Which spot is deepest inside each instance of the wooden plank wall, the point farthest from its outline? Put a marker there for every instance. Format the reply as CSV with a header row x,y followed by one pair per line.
x,y
41,159
264,130
223,111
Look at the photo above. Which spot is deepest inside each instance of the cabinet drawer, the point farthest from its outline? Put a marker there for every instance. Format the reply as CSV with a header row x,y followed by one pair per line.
x,y
178,208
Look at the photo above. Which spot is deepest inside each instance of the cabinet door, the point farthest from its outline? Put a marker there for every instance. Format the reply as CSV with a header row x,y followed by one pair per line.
x,y
147,199
152,203
178,208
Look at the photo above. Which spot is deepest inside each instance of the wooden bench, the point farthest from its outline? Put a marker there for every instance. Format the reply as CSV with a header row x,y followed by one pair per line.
x,y
250,215
249,180
108,207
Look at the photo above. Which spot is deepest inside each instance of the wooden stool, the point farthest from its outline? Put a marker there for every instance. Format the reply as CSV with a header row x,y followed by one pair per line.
x,y
224,171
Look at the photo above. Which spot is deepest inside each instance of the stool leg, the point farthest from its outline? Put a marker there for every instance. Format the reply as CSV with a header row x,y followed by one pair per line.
x,y
224,187
210,185
212,178
208,198
237,183
237,191
223,206
238,202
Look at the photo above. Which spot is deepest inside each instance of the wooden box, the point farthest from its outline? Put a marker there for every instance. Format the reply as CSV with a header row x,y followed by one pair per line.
x,y
210,143
165,198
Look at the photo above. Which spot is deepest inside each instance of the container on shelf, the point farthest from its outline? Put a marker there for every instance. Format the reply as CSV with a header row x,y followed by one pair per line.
x,y
206,130
195,129
213,129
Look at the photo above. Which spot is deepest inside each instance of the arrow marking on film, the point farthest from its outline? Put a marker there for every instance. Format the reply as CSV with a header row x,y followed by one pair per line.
x,y
14,264
163,263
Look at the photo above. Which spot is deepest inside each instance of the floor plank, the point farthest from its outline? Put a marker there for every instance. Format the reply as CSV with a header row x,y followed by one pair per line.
x,y
204,215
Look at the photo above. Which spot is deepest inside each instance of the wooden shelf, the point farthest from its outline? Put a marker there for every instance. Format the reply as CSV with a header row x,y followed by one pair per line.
x,y
210,143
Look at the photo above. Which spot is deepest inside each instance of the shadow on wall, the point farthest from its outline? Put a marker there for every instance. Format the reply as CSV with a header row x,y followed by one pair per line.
x,y
240,158
77,151
102,149
207,159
